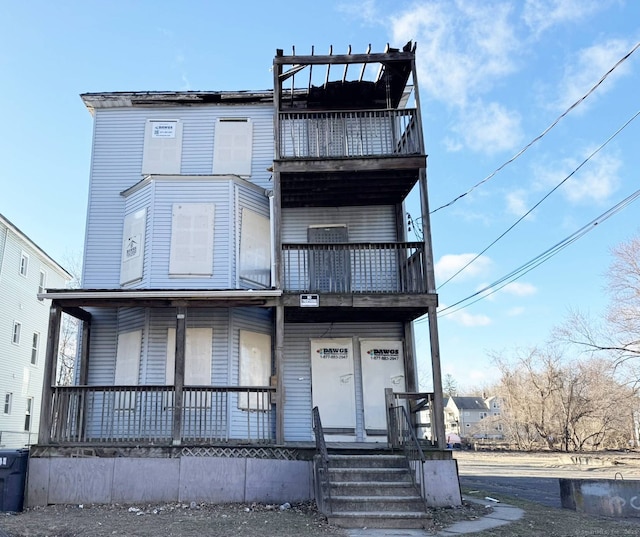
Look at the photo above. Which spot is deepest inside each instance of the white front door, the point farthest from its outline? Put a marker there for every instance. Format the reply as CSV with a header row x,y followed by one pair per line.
x,y
332,384
382,367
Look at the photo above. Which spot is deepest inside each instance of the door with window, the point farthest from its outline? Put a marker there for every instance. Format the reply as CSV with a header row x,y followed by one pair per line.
x,y
329,266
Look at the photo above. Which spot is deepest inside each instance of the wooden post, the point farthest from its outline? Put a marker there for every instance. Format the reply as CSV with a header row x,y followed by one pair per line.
x,y
49,379
84,353
181,344
279,358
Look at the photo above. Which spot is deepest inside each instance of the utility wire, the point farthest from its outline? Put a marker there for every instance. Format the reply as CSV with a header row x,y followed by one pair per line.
x,y
587,159
543,133
539,259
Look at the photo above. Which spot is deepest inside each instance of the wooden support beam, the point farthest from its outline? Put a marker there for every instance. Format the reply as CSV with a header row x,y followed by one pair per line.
x,y
181,337
279,371
49,379
364,65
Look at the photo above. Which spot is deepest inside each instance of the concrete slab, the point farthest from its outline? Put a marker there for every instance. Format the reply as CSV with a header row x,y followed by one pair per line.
x,y
79,480
278,481
145,480
212,479
37,483
442,487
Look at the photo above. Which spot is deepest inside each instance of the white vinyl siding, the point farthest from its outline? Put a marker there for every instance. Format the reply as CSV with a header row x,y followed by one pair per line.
x,y
233,146
133,246
162,152
192,239
197,367
255,248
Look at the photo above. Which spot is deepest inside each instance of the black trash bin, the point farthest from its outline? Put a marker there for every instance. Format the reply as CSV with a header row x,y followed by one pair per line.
x,y
13,475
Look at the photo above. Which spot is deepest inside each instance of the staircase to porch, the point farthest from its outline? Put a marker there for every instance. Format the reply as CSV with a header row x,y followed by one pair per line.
x,y
374,491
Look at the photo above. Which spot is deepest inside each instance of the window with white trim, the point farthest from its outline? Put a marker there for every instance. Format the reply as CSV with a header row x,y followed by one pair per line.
x,y
8,399
15,335
162,147
35,348
192,239
42,284
27,414
24,264
232,146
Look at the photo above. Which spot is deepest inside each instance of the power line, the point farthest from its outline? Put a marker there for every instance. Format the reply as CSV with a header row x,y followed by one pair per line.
x,y
587,159
543,133
539,259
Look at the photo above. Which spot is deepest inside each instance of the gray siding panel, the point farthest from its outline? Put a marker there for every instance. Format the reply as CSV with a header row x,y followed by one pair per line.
x,y
364,224
297,368
117,163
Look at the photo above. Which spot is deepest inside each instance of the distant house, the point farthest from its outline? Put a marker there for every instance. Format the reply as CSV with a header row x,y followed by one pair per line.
x,y
25,271
473,417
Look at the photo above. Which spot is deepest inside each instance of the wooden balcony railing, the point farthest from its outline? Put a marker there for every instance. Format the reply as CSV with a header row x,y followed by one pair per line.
x,y
355,267
145,414
348,133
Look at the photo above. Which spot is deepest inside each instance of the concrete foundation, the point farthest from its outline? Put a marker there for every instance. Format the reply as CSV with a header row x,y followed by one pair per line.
x,y
150,480
441,487
608,497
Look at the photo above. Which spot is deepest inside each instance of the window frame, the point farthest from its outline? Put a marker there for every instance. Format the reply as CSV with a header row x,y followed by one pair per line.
x,y
35,348
23,269
8,403
28,414
42,283
16,332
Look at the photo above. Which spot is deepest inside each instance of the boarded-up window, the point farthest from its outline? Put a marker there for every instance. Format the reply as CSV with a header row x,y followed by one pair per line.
x,y
255,369
133,235
232,148
197,367
192,239
127,368
162,147
255,249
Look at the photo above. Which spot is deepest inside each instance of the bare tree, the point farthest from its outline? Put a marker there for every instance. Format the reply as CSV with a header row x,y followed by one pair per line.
x,y
67,346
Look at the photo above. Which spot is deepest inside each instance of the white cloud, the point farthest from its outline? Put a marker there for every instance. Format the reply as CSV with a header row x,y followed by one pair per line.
x,y
450,264
517,202
467,319
594,182
464,46
489,128
587,68
540,15
519,289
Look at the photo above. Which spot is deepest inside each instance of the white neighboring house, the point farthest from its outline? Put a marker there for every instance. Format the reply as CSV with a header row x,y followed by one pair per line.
x,y
473,417
25,270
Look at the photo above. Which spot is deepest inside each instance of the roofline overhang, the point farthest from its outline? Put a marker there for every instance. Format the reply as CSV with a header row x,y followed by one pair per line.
x,y
62,295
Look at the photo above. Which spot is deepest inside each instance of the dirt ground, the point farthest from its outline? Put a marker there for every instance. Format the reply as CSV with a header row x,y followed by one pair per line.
x,y
191,520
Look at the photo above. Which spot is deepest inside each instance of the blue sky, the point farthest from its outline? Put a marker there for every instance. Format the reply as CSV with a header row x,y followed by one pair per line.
x,y
493,76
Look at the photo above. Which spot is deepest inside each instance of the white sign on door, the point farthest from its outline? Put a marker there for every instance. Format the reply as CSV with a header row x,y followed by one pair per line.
x,y
382,367
333,387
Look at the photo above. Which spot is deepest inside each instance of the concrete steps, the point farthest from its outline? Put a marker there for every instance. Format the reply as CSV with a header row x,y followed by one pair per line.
x,y
374,491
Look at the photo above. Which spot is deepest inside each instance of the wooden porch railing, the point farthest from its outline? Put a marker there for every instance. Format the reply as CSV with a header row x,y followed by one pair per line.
x,y
348,133
144,414
355,267
419,406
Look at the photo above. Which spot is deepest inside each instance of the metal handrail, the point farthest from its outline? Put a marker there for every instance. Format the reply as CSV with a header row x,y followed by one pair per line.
x,y
323,484
402,436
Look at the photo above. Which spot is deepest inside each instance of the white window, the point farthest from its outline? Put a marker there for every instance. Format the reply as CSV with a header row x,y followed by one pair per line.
x,y
255,368
232,146
198,353
8,399
133,235
255,249
24,264
42,285
15,336
192,239
35,348
162,147
27,414
483,415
